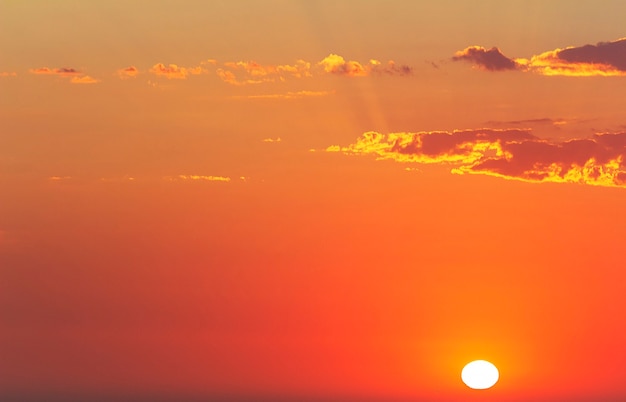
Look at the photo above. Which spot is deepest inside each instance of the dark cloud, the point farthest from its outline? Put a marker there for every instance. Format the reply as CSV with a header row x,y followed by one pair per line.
x,y
602,59
488,59
608,53
508,153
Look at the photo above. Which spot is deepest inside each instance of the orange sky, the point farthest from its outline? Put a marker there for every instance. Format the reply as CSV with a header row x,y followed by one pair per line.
x,y
311,200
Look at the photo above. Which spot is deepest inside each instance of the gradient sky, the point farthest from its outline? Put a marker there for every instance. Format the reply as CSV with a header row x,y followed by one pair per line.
x,y
311,200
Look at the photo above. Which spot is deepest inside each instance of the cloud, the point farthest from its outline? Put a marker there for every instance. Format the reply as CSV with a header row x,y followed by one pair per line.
x,y
7,74
230,78
184,177
527,122
173,71
506,153
602,59
251,72
288,95
300,69
241,73
277,139
55,71
128,72
122,179
85,79
335,64
76,77
391,68
486,59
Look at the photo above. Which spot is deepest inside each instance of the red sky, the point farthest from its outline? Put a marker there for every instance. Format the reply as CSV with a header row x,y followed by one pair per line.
x,y
311,200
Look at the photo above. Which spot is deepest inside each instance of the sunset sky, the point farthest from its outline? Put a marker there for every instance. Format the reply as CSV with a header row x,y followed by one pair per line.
x,y
311,200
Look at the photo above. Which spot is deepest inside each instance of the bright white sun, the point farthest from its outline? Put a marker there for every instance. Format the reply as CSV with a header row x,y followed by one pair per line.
x,y
480,374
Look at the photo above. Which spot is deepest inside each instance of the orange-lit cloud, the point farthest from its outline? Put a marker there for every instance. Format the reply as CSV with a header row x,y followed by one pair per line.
x,y
85,79
76,77
277,139
246,72
602,59
487,59
288,95
300,69
507,153
128,72
230,78
250,72
122,179
391,68
173,71
55,71
7,74
335,64
184,177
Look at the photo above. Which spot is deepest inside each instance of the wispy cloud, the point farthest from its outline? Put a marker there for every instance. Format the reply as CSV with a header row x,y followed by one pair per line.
x,y
185,177
74,76
288,95
55,71
602,59
7,74
390,68
128,72
529,122
229,77
85,79
122,179
506,153
251,72
277,139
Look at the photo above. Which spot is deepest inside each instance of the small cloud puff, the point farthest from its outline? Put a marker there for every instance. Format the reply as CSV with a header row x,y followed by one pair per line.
x,y
128,72
487,59
336,64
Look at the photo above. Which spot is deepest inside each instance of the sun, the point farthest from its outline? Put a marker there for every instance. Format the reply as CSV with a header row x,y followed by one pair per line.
x,y
480,374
